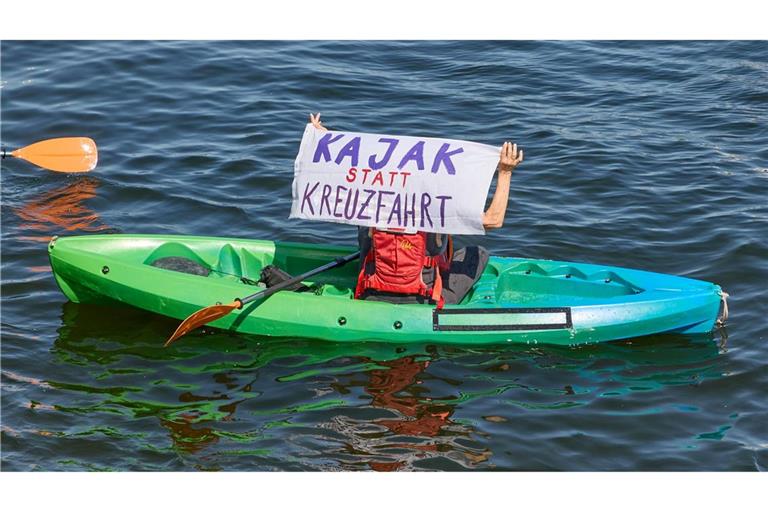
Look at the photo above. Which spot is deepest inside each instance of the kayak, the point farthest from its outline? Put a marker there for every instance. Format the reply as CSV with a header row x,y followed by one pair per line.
x,y
516,300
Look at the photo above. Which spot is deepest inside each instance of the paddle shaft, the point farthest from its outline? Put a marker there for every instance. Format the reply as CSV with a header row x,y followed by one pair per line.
x,y
5,154
338,262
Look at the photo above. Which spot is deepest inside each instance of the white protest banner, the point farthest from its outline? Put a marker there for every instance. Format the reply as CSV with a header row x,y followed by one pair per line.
x,y
389,181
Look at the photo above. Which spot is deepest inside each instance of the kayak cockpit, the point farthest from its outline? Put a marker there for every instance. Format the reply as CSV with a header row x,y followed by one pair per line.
x,y
505,281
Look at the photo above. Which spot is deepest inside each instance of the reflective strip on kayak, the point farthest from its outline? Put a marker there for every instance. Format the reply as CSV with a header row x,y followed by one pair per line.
x,y
501,319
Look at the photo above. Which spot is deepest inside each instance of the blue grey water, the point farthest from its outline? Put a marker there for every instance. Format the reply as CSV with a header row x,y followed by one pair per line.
x,y
649,155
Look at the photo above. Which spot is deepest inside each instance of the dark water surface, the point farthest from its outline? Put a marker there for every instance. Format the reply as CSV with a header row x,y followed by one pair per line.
x,y
638,154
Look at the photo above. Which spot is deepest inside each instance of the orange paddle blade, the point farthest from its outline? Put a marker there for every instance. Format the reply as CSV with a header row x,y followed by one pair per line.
x,y
67,154
202,317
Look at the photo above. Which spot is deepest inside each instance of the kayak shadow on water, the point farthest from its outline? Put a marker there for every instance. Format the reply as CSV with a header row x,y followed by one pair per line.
x,y
225,401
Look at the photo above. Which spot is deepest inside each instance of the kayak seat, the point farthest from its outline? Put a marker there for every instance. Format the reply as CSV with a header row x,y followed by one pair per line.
x,y
467,267
178,264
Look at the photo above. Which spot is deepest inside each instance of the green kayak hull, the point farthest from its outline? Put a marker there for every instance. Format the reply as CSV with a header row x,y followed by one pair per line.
x,y
516,299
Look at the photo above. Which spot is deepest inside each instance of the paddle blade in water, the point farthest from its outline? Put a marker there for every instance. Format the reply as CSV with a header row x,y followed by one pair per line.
x,y
202,317
67,154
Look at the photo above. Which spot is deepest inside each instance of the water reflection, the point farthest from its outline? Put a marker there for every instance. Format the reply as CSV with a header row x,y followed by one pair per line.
x,y
222,401
61,209
188,438
419,418
398,388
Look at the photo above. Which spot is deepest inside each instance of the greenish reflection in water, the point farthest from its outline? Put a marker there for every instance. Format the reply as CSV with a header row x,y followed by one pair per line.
x,y
220,401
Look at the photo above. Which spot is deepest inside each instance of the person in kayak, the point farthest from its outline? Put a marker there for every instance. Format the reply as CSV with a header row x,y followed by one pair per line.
x,y
416,268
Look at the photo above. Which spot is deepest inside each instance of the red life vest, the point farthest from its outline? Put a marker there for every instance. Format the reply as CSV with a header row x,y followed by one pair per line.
x,y
398,260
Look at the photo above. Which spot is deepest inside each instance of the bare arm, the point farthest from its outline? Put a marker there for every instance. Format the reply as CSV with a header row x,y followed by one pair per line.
x,y
509,158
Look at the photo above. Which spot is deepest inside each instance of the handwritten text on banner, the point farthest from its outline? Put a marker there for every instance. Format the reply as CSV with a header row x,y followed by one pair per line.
x,y
387,181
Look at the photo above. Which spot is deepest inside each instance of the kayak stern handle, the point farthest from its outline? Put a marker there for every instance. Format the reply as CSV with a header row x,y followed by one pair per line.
x,y
723,316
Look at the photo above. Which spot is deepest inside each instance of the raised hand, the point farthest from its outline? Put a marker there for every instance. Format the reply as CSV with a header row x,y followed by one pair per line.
x,y
509,158
315,120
